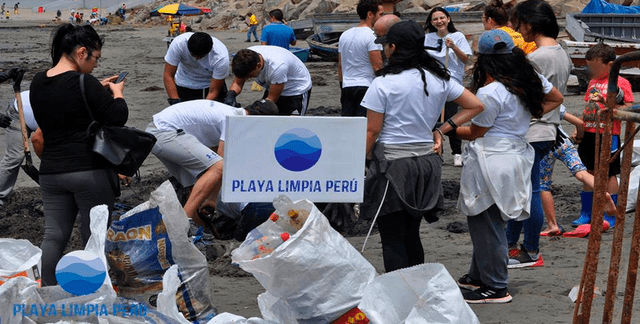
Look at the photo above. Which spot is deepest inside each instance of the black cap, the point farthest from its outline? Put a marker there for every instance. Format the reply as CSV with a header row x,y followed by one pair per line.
x,y
405,34
262,107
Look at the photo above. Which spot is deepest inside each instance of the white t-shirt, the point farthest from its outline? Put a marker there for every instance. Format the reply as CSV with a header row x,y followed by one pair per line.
x,y
554,63
354,47
282,66
26,110
504,114
409,115
197,74
456,67
204,119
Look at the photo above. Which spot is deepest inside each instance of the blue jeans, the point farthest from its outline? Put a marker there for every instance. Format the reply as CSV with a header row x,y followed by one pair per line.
x,y
489,259
252,30
533,225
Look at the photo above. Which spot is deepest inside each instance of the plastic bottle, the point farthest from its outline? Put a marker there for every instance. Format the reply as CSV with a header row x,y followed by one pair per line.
x,y
298,217
258,245
283,222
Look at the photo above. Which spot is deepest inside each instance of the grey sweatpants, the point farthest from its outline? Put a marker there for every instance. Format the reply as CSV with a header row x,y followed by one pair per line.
x,y
490,250
13,156
64,196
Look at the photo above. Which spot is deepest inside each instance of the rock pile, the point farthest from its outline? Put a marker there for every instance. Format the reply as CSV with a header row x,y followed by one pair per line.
x,y
230,14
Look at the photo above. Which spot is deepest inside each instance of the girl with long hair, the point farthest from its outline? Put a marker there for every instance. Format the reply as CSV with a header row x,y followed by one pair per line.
x,y
404,104
495,184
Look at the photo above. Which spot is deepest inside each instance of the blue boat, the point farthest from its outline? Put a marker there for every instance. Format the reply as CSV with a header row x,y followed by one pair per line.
x,y
301,53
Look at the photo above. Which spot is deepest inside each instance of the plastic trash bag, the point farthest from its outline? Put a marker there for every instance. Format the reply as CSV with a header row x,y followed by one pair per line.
x,y
19,258
632,194
46,304
149,239
424,293
316,273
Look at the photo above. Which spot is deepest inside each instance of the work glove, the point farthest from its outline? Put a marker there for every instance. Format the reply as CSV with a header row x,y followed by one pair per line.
x,y
16,75
5,120
173,101
230,99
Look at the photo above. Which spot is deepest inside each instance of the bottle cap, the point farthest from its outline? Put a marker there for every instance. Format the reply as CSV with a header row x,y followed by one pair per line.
x,y
284,236
274,217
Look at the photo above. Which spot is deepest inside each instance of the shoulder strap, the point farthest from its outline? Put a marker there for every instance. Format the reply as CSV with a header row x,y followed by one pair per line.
x,y
84,97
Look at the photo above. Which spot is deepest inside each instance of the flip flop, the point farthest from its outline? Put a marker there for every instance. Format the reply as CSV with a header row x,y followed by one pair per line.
x,y
580,231
558,232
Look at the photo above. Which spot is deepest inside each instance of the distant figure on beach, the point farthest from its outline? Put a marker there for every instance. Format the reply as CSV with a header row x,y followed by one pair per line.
x,y
2,8
196,66
359,57
72,16
15,8
286,78
252,22
122,11
277,33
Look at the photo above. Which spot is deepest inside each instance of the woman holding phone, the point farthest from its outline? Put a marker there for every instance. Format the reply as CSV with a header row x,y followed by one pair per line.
x,y
72,178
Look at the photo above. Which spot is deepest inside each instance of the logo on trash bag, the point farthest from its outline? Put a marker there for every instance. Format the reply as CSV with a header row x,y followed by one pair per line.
x,y
80,273
298,149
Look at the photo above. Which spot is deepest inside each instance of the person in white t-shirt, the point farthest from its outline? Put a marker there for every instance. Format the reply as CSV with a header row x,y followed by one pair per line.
x,y
14,146
286,78
495,183
359,57
454,52
190,143
404,103
196,66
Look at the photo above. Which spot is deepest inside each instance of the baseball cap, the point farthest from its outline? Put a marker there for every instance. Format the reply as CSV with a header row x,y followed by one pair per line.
x,y
404,34
495,41
262,107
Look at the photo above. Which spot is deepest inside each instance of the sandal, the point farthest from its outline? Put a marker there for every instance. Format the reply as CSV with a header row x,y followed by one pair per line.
x,y
558,232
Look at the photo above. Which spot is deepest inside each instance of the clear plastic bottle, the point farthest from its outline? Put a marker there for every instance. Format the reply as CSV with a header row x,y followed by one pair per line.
x,y
283,222
298,217
258,245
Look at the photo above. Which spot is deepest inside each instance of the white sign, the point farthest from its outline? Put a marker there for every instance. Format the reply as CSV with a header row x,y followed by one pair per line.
x,y
316,158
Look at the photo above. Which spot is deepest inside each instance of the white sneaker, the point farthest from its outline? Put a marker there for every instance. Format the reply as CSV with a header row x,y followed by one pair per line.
x,y
457,160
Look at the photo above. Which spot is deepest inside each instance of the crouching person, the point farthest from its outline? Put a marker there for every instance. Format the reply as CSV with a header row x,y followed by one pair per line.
x,y
190,142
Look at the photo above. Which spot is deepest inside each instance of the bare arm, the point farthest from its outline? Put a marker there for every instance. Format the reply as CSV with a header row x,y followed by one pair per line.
x,y
263,43
237,85
471,107
375,57
339,67
169,80
274,91
221,148
459,53
38,142
294,42
471,132
374,126
214,88
552,100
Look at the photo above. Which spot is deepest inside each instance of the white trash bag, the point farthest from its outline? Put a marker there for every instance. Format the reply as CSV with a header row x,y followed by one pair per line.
x,y
19,258
424,293
316,272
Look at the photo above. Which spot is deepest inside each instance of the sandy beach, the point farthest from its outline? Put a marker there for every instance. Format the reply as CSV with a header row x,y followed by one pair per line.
x,y
540,295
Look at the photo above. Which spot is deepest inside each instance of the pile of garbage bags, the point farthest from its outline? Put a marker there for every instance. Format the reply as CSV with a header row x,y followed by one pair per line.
x,y
310,272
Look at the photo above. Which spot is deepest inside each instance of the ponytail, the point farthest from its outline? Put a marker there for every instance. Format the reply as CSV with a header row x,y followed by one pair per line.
x,y
68,37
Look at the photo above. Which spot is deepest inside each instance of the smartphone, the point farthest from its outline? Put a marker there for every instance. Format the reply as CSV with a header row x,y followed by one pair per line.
x,y
121,77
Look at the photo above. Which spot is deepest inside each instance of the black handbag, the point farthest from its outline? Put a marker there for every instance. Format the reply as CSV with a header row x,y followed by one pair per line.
x,y
125,148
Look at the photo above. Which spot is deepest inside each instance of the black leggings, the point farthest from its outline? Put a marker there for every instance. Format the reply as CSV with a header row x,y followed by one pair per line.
x,y
401,245
64,196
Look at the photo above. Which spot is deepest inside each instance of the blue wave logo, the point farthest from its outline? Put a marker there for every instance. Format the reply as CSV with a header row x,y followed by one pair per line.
x,y
298,149
80,273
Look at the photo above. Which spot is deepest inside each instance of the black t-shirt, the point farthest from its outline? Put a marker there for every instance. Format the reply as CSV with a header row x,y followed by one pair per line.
x,y
62,116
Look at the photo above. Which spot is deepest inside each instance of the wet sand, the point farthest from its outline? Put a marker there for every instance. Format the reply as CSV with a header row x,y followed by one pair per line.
x,y
540,294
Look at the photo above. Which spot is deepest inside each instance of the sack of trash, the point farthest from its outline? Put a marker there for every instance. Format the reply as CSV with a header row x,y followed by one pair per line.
x,y
149,239
23,301
313,273
425,293
19,258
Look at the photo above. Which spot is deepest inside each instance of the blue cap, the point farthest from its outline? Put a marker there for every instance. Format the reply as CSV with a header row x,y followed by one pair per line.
x,y
495,41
